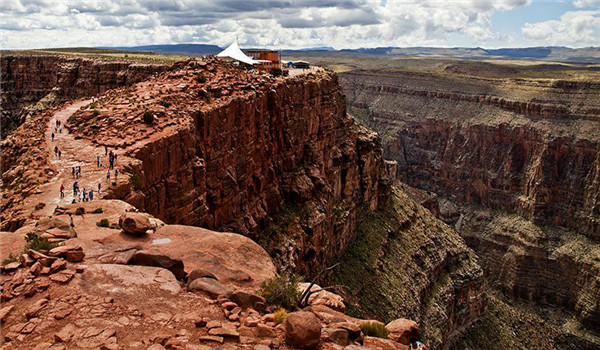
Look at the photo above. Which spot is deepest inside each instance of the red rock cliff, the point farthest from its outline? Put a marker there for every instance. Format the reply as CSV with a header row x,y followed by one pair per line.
x,y
27,79
255,153
500,145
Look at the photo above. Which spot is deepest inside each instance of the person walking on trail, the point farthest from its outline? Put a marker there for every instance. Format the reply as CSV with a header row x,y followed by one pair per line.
x,y
60,129
59,154
55,150
108,175
98,161
91,195
52,137
62,191
73,172
115,158
84,195
99,189
105,150
71,220
116,173
75,189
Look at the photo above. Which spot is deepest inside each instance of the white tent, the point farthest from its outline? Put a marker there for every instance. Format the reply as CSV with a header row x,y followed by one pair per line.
x,y
234,51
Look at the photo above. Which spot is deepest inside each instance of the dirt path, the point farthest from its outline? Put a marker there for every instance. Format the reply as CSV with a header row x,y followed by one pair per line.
x,y
75,152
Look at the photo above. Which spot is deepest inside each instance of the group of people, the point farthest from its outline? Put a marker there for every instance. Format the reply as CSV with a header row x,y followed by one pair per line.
x,y
81,195
85,195
57,129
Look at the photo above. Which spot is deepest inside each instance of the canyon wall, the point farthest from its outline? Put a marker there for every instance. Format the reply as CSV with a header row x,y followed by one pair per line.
x,y
26,80
529,147
284,165
521,158
278,160
406,262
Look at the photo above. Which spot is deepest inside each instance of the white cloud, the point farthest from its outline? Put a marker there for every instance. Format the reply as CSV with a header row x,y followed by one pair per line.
x,y
574,28
586,3
277,23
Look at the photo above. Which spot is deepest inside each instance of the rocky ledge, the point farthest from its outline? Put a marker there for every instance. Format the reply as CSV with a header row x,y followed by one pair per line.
x,y
114,288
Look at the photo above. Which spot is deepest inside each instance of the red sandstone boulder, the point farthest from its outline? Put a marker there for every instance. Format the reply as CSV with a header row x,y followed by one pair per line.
x,y
302,329
210,286
11,242
247,300
402,330
135,223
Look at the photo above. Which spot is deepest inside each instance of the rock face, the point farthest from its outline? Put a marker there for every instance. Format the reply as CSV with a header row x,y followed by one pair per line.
x,y
516,147
27,79
543,264
281,162
406,263
497,145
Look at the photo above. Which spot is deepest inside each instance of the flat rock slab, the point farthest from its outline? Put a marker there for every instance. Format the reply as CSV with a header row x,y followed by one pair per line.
x,y
232,258
11,242
123,281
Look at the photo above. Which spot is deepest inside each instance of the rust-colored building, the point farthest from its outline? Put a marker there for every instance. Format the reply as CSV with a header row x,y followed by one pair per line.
x,y
272,59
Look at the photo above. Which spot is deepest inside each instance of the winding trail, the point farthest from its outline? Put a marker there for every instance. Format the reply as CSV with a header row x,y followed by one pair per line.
x,y
75,152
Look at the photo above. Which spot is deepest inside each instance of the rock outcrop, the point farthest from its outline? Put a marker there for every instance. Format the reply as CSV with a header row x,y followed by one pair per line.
x,y
28,79
93,304
277,160
406,263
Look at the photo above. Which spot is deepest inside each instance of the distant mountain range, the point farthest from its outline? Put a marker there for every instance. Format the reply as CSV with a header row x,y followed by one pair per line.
x,y
545,52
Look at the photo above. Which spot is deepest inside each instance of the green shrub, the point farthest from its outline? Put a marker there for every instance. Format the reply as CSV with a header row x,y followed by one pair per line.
x,y
200,78
80,211
97,211
11,259
36,242
275,72
137,182
282,291
103,223
279,316
148,117
373,329
95,113
115,226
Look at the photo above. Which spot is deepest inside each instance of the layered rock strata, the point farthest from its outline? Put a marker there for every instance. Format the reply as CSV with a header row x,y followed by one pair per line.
x,y
522,155
547,265
495,143
242,152
28,79
404,261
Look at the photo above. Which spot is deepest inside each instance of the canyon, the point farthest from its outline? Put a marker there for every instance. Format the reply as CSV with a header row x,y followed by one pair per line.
x,y
28,79
512,163
277,160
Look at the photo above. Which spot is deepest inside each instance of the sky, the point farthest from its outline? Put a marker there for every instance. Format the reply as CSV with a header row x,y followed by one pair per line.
x,y
281,24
